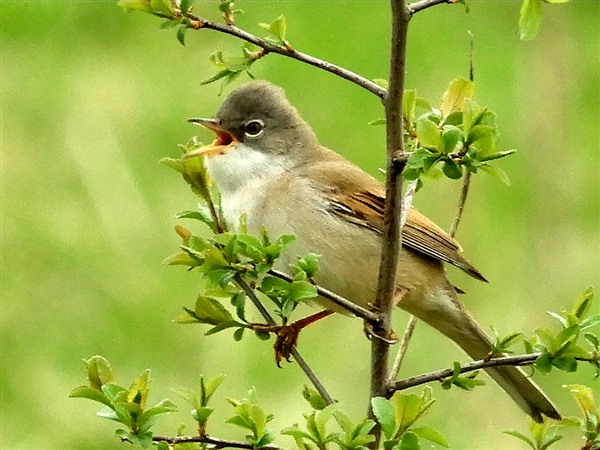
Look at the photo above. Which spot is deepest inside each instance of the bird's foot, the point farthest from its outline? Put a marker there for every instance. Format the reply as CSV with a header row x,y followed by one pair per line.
x,y
287,335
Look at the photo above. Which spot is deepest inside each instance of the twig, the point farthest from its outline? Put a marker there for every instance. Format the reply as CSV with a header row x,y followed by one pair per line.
x,y
310,374
355,309
420,5
408,332
461,203
196,23
214,442
440,375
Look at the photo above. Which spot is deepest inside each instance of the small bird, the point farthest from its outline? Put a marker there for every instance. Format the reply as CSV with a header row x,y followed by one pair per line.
x,y
269,166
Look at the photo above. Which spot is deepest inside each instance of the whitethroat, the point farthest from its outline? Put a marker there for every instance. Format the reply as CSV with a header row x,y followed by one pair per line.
x,y
269,166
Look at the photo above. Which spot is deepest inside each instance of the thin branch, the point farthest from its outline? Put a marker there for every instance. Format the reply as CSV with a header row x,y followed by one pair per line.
x,y
310,374
196,23
420,5
214,442
408,332
461,203
355,309
440,375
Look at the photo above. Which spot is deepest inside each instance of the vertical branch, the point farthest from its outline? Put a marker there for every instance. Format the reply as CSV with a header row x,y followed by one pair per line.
x,y
396,160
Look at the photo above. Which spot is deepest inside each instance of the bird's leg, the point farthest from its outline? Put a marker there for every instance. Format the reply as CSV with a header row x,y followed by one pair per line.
x,y
287,335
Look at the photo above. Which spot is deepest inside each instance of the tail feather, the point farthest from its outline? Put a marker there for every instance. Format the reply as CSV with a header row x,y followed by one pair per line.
x,y
447,314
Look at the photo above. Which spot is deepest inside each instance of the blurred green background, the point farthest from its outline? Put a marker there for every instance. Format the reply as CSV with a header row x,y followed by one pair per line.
x,y
93,97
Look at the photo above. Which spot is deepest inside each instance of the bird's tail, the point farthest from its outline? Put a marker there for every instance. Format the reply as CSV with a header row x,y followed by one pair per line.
x,y
455,322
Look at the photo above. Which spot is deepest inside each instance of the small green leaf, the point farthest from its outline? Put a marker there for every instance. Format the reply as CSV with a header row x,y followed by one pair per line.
x,y
543,363
381,82
377,122
428,133
99,371
583,303
520,436
202,414
497,173
277,29
409,441
452,139
530,19
314,398
91,394
454,98
568,364
409,102
384,412
431,435
451,169
134,5
211,311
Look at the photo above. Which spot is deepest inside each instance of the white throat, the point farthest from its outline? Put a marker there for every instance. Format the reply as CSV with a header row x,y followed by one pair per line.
x,y
242,176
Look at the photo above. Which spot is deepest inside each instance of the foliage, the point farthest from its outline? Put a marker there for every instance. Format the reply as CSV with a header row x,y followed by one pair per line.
x,y
126,406
457,136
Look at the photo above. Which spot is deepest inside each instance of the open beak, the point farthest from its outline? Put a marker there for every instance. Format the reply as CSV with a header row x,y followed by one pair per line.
x,y
220,145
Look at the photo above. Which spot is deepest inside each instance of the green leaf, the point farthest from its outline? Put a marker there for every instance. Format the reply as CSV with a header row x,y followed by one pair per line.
x,y
91,394
134,5
568,364
451,169
530,19
181,34
202,414
377,122
520,436
384,412
381,82
543,363
409,441
185,5
452,138
431,435
300,290
314,398
165,406
454,98
139,390
497,173
583,303
309,263
428,133
211,311
409,102
98,371
277,29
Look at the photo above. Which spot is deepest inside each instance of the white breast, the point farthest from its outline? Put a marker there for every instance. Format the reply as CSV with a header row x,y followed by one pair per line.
x,y
242,176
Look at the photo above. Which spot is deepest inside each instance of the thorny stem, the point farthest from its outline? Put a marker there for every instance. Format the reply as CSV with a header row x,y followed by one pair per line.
x,y
295,353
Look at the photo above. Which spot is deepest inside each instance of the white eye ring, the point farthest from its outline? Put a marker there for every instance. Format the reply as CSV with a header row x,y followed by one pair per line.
x,y
254,128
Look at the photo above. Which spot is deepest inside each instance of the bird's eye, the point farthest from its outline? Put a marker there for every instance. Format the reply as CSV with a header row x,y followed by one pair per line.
x,y
254,128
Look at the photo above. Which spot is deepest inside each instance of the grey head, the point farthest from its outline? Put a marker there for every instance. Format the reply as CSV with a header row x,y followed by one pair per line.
x,y
259,115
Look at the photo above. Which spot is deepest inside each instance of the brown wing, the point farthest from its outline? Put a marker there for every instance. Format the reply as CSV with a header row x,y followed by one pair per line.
x,y
365,208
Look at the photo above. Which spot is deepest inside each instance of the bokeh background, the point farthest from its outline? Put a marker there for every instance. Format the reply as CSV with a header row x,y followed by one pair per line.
x,y
93,97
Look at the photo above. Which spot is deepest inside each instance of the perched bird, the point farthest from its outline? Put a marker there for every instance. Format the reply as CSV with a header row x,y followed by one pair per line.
x,y
268,165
